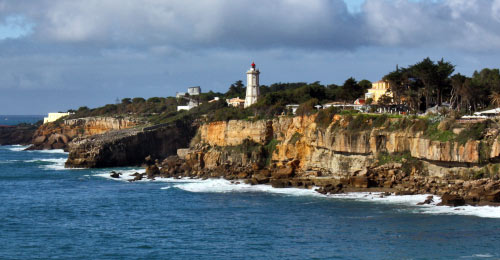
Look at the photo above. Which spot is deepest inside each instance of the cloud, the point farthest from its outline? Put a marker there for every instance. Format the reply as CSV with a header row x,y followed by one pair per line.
x,y
463,24
195,23
157,47
262,24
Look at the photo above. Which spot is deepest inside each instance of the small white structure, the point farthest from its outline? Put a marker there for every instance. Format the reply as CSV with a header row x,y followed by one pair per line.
x,y
253,91
293,107
193,99
214,100
489,113
192,104
54,116
194,91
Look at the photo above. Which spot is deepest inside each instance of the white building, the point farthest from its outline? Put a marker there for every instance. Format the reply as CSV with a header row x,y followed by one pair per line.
x,y
191,104
194,91
192,98
253,92
54,116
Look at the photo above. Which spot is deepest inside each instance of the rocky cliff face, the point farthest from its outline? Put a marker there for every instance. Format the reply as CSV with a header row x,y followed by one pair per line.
x,y
20,134
127,147
338,158
337,150
58,134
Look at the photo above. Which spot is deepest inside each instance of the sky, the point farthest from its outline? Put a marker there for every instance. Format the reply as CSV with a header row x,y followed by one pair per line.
x,y
57,55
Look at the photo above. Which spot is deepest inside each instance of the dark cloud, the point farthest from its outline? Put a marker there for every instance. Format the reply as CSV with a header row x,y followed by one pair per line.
x,y
156,47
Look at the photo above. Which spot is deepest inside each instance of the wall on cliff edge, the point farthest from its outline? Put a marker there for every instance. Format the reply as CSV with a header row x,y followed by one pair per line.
x,y
339,150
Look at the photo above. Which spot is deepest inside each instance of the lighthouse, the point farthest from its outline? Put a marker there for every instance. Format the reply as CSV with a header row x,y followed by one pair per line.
x,y
252,86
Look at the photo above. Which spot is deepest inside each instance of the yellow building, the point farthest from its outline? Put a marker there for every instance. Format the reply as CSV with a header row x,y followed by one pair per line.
x,y
378,89
236,102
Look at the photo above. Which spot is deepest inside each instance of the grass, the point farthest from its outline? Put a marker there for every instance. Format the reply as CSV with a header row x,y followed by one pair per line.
x,y
433,133
473,132
270,148
408,163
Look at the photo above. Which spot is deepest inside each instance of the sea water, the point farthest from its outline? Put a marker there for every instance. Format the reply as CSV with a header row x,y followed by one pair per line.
x,y
49,212
17,119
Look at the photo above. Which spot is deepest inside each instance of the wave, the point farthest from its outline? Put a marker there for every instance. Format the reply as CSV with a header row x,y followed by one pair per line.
x,y
17,148
225,186
49,163
409,202
60,151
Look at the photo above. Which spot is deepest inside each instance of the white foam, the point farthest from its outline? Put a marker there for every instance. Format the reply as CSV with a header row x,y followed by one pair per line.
x,y
479,256
54,163
126,175
412,200
165,188
225,186
61,151
409,202
18,148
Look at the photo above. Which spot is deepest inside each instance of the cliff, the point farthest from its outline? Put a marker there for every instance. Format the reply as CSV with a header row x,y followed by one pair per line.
x,y
20,134
347,154
321,148
128,147
57,135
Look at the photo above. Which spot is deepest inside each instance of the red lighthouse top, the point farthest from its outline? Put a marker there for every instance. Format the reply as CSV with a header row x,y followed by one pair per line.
x,y
253,65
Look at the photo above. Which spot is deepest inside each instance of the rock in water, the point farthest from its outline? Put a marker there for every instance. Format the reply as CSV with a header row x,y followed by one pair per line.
x,y
114,174
152,171
451,200
428,200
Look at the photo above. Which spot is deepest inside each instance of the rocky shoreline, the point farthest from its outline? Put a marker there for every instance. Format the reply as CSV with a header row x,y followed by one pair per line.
x,y
387,179
19,134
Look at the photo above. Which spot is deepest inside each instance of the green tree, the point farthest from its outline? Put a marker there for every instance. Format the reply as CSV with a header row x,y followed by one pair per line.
x,y
462,94
138,100
351,90
126,101
236,89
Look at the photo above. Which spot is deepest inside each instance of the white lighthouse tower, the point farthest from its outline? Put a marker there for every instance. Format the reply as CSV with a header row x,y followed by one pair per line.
x,y
252,86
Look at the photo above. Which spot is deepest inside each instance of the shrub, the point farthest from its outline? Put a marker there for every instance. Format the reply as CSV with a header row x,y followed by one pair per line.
x,y
473,132
380,120
295,137
270,148
325,117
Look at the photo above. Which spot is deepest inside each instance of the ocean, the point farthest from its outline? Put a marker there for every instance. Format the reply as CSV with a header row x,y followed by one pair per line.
x,y
49,212
17,119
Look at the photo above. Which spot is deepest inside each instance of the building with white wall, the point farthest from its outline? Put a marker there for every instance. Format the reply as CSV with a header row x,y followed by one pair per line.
x,y
192,97
253,91
54,116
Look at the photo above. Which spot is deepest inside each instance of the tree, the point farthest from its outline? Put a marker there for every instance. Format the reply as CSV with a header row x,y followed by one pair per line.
x,y
444,70
484,84
435,78
365,84
495,98
126,101
426,72
351,90
236,89
461,95
138,100
384,100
